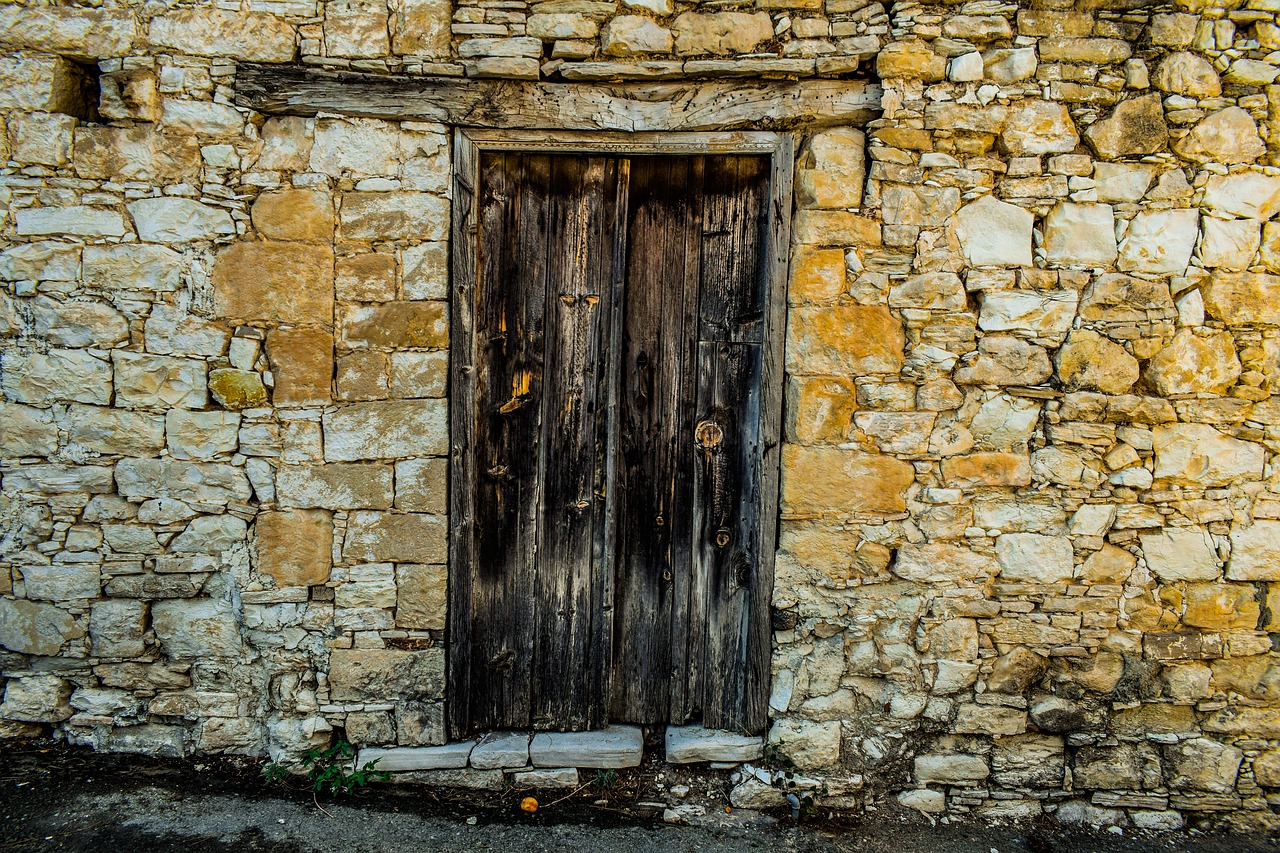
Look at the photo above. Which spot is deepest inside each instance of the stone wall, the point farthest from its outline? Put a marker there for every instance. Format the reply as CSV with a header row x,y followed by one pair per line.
x,y
1030,544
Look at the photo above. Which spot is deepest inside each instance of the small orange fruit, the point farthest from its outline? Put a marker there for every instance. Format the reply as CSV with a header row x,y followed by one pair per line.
x,y
529,804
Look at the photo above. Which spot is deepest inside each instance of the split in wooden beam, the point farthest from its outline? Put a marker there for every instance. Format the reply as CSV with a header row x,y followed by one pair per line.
x,y
692,105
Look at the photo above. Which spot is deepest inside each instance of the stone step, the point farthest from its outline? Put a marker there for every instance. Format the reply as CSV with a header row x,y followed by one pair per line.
x,y
456,777
401,758
501,749
616,746
545,777
688,744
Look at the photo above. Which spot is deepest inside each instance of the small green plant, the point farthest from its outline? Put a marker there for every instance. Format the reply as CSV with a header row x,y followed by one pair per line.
x,y
330,770
606,779
274,772
333,771
775,757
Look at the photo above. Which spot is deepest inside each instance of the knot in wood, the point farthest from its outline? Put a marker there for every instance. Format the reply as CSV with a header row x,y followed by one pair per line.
x,y
708,434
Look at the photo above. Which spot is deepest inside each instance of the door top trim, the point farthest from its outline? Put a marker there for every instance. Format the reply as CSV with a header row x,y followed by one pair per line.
x,y
623,144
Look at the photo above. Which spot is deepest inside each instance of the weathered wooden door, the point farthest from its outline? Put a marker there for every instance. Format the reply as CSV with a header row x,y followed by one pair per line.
x,y
614,470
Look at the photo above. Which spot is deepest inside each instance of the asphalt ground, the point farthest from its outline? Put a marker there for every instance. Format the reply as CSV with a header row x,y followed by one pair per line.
x,y
54,798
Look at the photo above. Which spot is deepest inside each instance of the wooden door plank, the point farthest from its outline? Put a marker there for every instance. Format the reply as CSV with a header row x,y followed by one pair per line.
x,y
633,107
636,588
660,302
734,288
607,538
462,469
642,542
687,670
613,242
509,390
569,680
727,542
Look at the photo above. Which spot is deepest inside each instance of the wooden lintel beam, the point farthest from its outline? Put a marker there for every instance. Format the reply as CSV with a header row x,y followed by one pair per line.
x,y
692,105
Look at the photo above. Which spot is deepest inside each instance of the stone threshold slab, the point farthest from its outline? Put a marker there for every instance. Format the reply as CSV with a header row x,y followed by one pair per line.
x,y
399,759
609,748
501,750
690,744
613,747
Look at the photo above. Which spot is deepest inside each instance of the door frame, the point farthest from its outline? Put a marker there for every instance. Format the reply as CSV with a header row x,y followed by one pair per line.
x,y
468,144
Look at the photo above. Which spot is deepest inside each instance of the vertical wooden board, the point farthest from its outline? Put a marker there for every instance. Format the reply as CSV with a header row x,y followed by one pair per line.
x,y
462,359
607,538
687,644
640,543
613,242
734,265
658,317
509,383
727,482
568,680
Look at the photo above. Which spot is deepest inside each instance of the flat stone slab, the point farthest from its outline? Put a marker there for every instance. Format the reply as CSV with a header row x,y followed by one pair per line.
x,y
753,793
501,749
616,746
559,777
464,777
401,758
688,744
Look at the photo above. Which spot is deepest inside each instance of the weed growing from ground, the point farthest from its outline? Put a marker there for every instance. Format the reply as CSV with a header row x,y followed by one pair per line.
x,y
606,779
330,770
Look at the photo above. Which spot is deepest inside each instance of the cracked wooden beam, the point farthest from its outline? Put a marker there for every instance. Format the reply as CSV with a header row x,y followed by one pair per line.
x,y
514,104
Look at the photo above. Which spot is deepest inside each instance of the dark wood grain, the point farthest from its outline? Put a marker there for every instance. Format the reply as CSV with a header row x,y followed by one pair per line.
x,y
733,268
570,666
726,549
686,664
680,106
660,302
729,588
613,407
507,412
